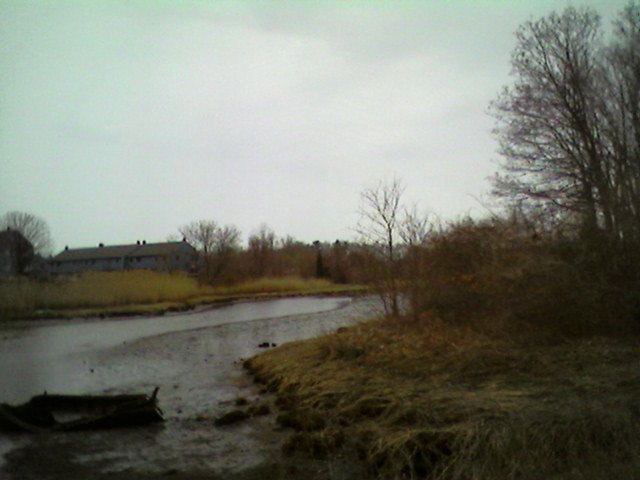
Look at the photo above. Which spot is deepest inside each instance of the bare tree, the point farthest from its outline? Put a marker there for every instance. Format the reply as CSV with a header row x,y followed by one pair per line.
x,y
226,244
546,122
415,227
33,228
569,127
262,244
215,244
621,118
379,227
201,234
415,230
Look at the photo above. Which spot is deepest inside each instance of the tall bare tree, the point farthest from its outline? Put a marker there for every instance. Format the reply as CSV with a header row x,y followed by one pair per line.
x,y
621,118
226,245
262,244
415,230
215,244
33,228
379,228
201,234
569,127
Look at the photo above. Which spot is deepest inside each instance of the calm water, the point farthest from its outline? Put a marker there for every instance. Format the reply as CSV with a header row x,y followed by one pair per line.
x,y
194,358
54,357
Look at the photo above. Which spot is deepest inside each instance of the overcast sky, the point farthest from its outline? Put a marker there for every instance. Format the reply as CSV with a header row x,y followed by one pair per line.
x,y
125,120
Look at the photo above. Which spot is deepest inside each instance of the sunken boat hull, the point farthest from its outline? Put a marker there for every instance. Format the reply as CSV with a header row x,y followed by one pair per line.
x,y
81,412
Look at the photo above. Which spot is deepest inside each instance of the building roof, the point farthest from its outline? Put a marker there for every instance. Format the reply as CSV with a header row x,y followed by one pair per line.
x,y
154,249
118,251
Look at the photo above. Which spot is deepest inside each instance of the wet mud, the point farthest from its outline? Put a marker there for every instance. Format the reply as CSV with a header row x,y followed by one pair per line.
x,y
198,368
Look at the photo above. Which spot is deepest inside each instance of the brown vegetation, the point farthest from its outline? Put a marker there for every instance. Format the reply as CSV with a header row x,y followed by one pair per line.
x,y
434,401
519,362
139,292
223,261
504,276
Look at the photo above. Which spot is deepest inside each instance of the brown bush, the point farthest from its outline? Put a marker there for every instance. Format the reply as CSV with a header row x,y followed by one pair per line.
x,y
496,276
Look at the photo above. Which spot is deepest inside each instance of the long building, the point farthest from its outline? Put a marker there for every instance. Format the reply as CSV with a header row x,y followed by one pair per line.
x,y
166,256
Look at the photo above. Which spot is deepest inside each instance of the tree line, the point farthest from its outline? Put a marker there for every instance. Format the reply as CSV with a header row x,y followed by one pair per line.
x,y
225,260
569,134
564,251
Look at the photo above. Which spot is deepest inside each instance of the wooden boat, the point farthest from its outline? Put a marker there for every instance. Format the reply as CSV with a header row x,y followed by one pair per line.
x,y
44,413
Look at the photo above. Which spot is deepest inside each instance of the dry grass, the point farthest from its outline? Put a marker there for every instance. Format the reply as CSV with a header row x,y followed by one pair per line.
x,y
138,291
283,285
98,290
446,402
513,365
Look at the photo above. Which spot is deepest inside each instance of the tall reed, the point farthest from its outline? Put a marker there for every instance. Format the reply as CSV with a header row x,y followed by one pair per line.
x,y
98,289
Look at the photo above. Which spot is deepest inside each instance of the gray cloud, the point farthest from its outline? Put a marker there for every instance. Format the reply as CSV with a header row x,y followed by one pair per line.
x,y
122,121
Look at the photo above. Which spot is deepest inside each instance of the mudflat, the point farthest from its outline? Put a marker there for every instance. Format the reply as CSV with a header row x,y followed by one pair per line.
x,y
200,376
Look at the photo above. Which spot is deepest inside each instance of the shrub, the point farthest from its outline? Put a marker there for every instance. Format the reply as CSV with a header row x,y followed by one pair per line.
x,y
496,276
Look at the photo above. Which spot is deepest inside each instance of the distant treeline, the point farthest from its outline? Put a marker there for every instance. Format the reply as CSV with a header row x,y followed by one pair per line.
x,y
223,260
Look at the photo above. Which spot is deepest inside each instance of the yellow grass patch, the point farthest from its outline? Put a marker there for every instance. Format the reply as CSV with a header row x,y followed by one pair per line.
x,y
98,289
288,284
139,291
438,402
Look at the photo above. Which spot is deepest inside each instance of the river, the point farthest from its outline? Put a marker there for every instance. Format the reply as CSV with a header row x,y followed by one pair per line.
x,y
195,359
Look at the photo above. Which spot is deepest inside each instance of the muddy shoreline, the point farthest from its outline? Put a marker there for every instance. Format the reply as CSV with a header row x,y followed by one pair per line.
x,y
200,376
168,308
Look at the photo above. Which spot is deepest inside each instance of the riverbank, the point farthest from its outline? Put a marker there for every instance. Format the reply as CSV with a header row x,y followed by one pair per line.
x,y
199,303
195,359
426,400
137,293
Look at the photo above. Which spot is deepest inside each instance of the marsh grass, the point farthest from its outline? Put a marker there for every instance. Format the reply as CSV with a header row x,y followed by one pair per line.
x,y
137,291
438,401
95,289
285,284
518,359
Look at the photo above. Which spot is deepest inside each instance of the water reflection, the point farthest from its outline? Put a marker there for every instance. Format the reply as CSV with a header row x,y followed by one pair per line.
x,y
54,357
193,358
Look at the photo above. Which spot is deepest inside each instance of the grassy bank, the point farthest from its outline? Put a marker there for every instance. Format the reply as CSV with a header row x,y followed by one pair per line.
x,y
518,359
433,401
139,292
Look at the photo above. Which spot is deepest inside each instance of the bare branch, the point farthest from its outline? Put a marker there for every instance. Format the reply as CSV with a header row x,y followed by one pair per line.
x,y
33,228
